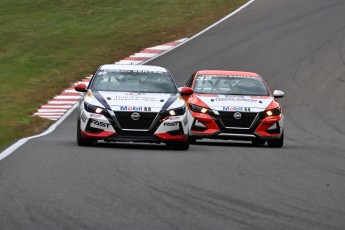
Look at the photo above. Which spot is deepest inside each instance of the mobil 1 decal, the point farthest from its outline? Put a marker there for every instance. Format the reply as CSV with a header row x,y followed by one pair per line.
x,y
135,108
234,108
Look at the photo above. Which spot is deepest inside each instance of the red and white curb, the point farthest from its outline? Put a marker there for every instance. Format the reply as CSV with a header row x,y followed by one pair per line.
x,y
60,104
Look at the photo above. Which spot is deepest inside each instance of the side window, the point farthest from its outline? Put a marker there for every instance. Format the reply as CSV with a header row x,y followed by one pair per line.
x,y
190,80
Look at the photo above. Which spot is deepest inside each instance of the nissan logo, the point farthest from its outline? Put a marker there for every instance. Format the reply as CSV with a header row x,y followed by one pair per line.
x,y
237,115
135,116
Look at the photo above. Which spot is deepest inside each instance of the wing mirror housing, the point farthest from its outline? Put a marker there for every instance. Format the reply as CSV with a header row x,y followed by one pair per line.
x,y
278,94
185,91
80,87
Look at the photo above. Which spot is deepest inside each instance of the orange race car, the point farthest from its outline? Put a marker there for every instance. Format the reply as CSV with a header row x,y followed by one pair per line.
x,y
234,105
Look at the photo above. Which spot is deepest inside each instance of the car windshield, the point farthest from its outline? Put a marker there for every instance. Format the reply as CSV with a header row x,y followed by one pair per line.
x,y
230,85
143,81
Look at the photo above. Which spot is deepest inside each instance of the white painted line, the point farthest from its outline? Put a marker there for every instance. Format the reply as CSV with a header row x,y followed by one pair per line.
x,y
146,55
62,102
70,91
182,40
51,110
67,97
82,82
22,141
128,62
49,114
51,117
56,107
161,47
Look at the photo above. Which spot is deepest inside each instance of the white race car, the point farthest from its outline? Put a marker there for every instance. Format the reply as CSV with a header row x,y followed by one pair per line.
x,y
137,103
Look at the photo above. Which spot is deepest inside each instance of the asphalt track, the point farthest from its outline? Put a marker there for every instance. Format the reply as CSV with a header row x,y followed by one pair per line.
x,y
298,47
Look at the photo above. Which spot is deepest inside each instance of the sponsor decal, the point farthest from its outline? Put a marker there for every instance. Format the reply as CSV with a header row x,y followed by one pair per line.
x,y
103,72
95,115
207,77
83,117
134,98
135,108
230,108
170,124
133,94
174,118
98,124
235,99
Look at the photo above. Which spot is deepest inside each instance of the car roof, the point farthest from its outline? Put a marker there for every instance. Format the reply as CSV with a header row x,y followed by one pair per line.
x,y
133,67
227,72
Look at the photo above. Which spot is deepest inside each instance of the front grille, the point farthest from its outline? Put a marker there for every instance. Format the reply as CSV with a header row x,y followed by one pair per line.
x,y
238,131
126,122
245,121
134,136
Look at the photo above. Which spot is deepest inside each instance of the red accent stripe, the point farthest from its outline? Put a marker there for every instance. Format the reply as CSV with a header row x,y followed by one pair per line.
x,y
50,114
69,94
148,50
103,134
49,105
168,137
136,58
63,99
171,43
52,109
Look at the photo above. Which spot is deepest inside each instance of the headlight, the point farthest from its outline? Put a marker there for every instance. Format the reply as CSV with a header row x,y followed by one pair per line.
x,y
273,112
199,109
175,112
94,109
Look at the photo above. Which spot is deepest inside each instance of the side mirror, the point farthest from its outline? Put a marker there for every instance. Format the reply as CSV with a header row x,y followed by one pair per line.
x,y
185,91
80,87
278,94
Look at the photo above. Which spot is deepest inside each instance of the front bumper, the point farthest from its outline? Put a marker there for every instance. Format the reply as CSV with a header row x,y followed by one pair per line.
x,y
214,127
110,128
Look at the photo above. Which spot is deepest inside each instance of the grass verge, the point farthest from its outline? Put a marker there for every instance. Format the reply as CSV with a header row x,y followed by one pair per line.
x,y
47,45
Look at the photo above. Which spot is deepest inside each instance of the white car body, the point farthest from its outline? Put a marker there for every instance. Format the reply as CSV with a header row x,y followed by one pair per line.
x,y
132,112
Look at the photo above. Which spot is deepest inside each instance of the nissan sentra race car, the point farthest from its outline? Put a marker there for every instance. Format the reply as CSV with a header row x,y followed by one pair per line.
x,y
138,103
234,105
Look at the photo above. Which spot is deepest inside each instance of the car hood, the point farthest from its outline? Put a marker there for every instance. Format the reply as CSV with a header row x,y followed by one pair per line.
x,y
236,103
127,101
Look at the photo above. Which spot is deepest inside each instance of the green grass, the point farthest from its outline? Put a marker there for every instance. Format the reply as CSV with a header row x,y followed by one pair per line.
x,y
47,45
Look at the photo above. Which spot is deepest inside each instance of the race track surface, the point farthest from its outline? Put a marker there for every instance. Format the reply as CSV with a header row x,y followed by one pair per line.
x,y
298,47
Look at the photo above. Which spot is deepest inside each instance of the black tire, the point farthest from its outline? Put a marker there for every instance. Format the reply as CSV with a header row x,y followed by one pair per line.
x,y
82,141
258,142
276,143
192,140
